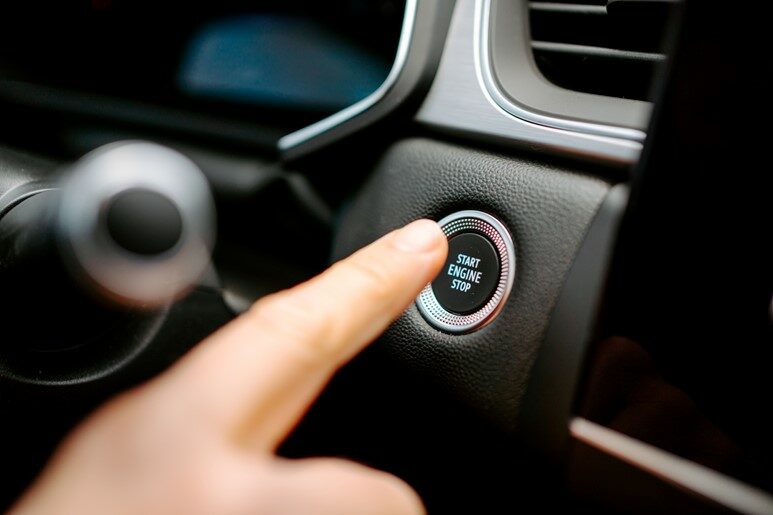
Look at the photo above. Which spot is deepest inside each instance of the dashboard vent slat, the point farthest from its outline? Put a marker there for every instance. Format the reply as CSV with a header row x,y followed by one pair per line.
x,y
611,48
595,51
558,7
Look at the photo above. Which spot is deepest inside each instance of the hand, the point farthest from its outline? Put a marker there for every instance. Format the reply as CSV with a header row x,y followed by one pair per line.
x,y
200,439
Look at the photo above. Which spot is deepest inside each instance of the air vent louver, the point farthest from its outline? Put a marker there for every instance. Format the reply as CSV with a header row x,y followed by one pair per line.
x,y
610,48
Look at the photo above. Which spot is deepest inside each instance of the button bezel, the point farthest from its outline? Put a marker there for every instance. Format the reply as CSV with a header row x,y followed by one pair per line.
x,y
488,226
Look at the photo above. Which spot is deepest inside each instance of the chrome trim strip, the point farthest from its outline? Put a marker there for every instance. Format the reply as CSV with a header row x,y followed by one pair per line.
x,y
482,36
10,200
309,132
702,480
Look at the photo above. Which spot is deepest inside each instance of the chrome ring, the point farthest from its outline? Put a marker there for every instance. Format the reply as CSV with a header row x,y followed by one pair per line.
x,y
488,226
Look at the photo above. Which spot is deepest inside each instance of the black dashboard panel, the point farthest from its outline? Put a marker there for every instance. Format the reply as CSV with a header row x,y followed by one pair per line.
x,y
547,210
682,360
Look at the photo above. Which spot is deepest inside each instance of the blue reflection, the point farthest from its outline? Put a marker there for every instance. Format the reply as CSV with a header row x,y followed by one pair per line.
x,y
280,61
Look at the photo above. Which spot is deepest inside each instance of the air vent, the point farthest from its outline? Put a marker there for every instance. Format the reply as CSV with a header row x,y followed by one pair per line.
x,y
610,48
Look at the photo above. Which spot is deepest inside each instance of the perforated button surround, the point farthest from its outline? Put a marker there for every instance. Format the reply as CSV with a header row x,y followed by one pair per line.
x,y
485,225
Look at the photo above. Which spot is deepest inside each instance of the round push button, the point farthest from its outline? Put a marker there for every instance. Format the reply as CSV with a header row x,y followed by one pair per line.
x,y
477,276
469,276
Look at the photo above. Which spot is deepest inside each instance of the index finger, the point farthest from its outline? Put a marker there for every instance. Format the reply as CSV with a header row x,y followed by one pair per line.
x,y
258,374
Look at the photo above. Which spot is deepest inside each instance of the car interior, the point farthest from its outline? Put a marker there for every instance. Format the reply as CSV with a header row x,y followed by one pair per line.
x,y
601,336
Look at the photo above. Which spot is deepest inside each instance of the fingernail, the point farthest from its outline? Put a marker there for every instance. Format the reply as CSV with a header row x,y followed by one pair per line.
x,y
418,236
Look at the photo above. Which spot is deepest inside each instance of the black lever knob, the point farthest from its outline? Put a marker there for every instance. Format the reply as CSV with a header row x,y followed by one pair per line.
x,y
138,220
130,224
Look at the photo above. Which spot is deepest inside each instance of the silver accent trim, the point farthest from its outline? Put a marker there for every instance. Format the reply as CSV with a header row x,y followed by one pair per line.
x,y
16,200
702,480
300,136
86,194
560,7
588,50
458,101
462,222
483,24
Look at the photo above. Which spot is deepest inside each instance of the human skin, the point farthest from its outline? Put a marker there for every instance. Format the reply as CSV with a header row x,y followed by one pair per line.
x,y
201,438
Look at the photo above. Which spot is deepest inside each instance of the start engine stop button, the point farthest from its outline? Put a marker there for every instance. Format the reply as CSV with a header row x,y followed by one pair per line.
x,y
470,275
477,276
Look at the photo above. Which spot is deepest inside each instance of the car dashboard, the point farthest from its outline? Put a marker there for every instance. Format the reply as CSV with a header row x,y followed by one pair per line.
x,y
602,336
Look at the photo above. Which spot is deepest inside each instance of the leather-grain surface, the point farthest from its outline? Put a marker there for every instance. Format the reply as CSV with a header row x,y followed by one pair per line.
x,y
547,209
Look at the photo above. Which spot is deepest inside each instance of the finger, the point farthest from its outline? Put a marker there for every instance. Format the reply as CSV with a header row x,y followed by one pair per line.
x,y
329,486
258,374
